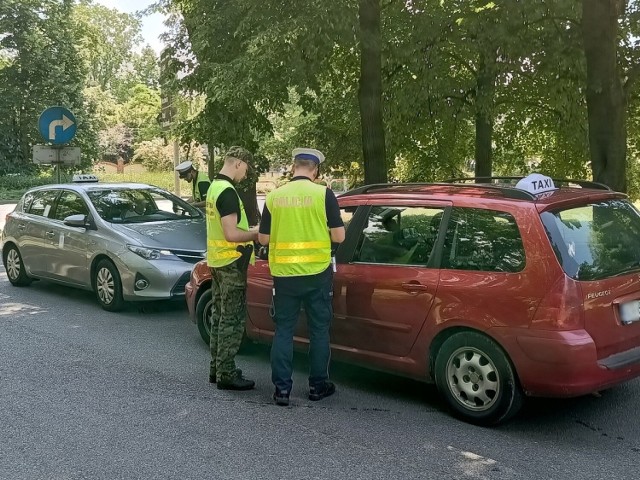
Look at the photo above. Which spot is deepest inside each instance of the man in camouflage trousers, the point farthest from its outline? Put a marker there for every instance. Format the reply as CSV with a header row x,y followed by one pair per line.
x,y
229,250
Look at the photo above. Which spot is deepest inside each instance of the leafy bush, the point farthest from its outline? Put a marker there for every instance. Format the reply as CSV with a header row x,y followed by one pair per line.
x,y
154,155
13,185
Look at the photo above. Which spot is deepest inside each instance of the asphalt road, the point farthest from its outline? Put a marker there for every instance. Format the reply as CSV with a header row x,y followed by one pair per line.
x,y
85,394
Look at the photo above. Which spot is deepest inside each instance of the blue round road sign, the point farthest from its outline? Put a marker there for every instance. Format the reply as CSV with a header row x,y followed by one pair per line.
x,y
57,125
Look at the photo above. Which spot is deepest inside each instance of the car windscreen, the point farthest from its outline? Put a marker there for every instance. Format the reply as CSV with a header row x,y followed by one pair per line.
x,y
140,205
595,241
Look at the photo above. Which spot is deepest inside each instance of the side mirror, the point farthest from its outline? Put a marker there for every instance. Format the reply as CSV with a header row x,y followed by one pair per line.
x,y
80,221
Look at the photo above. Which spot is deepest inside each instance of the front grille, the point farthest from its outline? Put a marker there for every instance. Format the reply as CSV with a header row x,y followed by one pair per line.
x,y
188,256
178,288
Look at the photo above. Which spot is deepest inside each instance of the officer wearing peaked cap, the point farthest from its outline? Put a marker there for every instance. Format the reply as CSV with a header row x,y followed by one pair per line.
x,y
300,220
199,183
229,253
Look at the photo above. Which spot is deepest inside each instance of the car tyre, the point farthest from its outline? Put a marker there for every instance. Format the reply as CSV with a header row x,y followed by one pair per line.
x,y
476,379
13,264
108,286
204,309
203,314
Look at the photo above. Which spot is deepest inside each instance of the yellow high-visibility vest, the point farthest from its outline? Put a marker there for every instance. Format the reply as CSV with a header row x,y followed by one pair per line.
x,y
220,252
299,242
201,177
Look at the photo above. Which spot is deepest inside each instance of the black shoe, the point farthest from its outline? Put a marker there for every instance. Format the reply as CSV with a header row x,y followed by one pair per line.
x,y
212,376
237,382
321,391
281,397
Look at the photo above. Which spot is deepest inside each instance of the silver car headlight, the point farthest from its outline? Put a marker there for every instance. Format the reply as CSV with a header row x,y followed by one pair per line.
x,y
150,253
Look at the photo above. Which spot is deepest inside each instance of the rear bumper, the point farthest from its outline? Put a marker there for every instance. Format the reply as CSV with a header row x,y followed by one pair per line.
x,y
564,364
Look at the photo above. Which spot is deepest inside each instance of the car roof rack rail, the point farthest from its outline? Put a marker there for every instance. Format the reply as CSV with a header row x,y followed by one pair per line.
x,y
556,181
509,192
506,190
375,186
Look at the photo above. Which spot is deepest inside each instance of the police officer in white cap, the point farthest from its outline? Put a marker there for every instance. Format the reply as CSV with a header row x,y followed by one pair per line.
x,y
199,183
300,221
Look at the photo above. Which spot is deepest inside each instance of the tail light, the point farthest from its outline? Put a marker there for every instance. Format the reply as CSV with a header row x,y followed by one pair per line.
x,y
562,307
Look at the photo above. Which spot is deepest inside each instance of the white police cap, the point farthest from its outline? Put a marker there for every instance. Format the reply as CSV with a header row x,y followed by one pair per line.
x,y
184,167
308,154
536,183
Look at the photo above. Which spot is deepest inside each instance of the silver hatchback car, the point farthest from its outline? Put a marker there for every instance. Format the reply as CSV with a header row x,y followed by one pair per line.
x,y
124,241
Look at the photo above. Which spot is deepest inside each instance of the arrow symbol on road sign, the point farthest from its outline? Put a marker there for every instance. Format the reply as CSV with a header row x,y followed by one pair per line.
x,y
65,123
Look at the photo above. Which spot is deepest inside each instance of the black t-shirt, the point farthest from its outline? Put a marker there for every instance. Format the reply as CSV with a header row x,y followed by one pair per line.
x,y
228,202
202,188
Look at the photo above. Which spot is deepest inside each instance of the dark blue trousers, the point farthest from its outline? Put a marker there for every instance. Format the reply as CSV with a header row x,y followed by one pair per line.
x,y
315,293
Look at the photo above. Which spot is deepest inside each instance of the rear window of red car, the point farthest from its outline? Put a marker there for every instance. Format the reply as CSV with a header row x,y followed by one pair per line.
x,y
597,240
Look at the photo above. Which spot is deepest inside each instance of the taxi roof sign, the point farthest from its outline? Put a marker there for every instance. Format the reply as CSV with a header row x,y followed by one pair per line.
x,y
84,178
536,183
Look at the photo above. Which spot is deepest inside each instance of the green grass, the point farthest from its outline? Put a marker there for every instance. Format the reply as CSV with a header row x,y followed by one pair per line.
x,y
159,179
12,187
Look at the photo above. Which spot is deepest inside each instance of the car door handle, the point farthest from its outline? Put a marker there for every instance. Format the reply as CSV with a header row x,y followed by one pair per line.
x,y
415,287
50,234
22,226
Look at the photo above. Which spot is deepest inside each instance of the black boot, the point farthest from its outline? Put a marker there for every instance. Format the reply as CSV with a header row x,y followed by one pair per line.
x,y
318,392
235,382
212,375
281,397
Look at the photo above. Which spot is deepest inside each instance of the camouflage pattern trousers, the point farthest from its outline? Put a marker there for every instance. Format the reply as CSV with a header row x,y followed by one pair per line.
x,y
229,293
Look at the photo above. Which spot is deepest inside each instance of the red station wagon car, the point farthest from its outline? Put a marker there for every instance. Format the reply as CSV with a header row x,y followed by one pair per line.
x,y
489,290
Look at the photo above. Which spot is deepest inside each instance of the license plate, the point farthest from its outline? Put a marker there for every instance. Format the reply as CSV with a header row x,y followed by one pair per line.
x,y
630,312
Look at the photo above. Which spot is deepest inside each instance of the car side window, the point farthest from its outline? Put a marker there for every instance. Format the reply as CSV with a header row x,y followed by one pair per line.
x,y
484,240
43,202
398,235
27,200
70,203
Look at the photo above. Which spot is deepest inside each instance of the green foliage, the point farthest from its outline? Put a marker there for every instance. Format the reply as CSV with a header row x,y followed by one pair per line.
x,y
154,155
13,185
40,68
163,180
141,111
273,75
107,38
250,55
116,143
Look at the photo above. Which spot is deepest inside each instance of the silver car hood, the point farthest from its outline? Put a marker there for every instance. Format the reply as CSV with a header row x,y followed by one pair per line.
x,y
188,235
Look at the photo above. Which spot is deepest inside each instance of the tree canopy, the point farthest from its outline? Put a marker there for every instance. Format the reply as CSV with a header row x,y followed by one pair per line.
x,y
464,86
416,90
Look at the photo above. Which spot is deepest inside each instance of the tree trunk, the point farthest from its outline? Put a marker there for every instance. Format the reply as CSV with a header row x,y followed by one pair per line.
x,y
606,99
485,95
211,162
370,93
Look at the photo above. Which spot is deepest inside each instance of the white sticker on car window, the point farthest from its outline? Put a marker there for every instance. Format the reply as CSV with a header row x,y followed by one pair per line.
x,y
61,241
46,211
571,248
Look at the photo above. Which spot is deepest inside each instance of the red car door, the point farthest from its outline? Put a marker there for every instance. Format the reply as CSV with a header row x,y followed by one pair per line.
x,y
383,296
